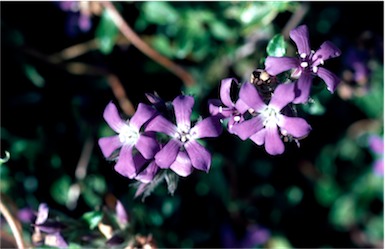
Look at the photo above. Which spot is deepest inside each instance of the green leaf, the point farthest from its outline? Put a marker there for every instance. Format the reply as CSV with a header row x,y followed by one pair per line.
x,y
342,213
314,107
6,158
106,33
162,44
93,218
34,76
221,31
160,12
60,189
276,46
326,191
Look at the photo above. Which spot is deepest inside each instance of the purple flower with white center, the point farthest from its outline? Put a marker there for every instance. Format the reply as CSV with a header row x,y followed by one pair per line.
x,y
376,144
182,152
307,64
135,146
225,108
268,123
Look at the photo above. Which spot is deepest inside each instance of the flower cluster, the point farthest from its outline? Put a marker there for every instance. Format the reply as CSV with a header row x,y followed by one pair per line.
x,y
161,137
158,137
263,109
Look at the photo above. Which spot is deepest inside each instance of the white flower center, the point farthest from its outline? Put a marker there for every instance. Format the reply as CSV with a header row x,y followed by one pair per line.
x,y
128,135
183,134
237,118
304,64
270,116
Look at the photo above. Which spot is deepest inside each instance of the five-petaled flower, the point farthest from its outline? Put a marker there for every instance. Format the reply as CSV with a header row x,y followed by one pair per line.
x,y
135,145
306,65
182,152
268,122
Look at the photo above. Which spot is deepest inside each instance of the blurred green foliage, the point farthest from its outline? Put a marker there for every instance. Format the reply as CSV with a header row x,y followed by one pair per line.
x,y
321,194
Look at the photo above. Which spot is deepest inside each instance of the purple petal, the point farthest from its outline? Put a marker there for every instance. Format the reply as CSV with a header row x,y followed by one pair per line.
x,y
147,146
277,65
259,137
121,213
182,165
161,124
42,214
250,96
283,95
273,142
112,117
300,36
297,127
378,167
331,80
148,173
109,145
225,91
84,23
208,127
183,106
127,164
241,106
142,115
55,240
302,88
199,156
26,215
167,155
216,109
327,51
247,128
376,143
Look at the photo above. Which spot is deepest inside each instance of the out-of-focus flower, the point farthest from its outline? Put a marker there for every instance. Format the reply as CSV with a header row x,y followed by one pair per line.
x,y
135,146
306,65
47,231
376,144
182,152
225,108
252,237
268,123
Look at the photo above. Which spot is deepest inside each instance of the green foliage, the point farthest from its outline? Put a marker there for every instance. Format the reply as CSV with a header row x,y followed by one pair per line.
x,y
106,33
276,46
92,218
45,125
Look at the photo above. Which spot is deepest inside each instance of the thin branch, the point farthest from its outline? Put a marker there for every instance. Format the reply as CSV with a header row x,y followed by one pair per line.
x,y
78,68
81,168
13,225
144,47
295,19
120,95
83,48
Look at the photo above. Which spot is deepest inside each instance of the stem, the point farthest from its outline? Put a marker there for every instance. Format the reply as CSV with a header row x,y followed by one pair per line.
x,y
13,225
144,47
295,19
78,68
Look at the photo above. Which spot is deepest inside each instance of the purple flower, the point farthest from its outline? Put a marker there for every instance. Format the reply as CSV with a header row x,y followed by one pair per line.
x,y
376,144
268,123
51,229
307,64
79,16
182,152
225,108
253,236
135,146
